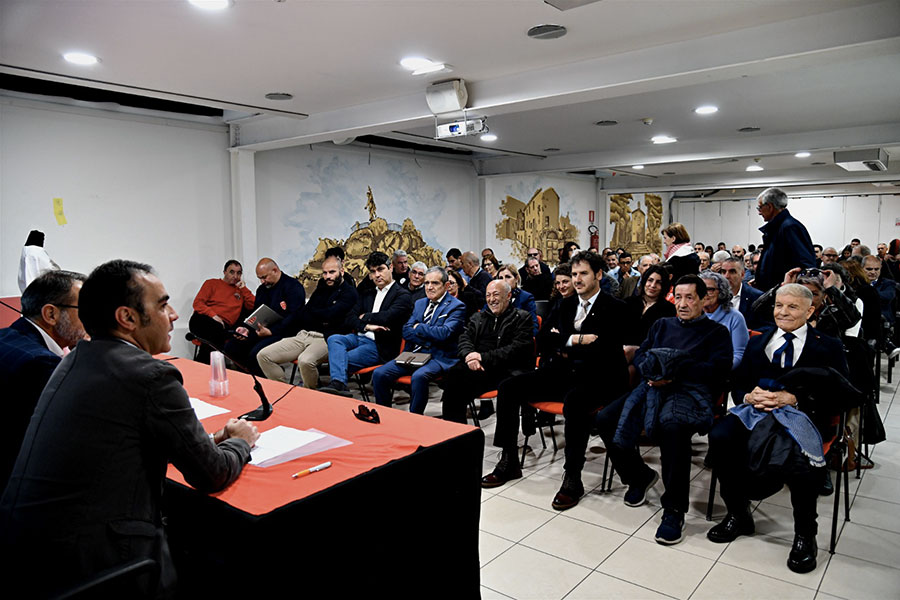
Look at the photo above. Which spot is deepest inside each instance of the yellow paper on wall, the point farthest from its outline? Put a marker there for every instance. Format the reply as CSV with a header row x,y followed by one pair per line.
x,y
58,211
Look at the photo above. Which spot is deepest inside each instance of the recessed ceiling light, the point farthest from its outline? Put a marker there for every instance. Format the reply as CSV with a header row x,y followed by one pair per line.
x,y
637,167
421,66
818,163
748,129
551,150
547,32
81,58
279,96
706,110
488,137
803,154
606,123
754,168
663,139
211,4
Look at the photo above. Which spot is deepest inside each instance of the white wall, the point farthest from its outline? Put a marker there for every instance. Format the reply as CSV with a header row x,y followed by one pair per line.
x,y
303,194
831,220
133,187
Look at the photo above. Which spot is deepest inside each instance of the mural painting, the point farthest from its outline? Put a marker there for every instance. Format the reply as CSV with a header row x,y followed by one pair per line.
x,y
365,238
536,225
636,230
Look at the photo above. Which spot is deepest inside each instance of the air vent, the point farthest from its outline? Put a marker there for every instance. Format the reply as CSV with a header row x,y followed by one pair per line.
x,y
873,159
547,32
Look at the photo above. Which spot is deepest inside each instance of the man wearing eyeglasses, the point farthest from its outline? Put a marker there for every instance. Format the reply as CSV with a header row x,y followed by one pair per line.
x,y
31,348
533,253
786,240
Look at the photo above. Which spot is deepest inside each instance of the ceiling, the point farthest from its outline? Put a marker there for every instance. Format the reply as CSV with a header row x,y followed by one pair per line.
x,y
814,75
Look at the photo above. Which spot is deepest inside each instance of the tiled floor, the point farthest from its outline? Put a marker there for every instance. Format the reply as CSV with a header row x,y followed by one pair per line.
x,y
603,549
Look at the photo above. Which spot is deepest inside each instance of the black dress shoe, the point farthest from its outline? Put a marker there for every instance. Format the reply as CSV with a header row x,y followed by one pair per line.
x,y
731,527
569,494
802,558
506,470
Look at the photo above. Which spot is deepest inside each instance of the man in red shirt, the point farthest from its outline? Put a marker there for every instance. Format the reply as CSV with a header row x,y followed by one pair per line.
x,y
218,307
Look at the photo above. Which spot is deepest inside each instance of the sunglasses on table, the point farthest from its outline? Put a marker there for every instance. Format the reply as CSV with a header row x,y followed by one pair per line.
x,y
369,415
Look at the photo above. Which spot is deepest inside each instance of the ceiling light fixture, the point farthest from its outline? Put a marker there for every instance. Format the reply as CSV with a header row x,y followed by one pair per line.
x,y
422,66
706,110
637,167
488,137
211,4
551,150
803,154
755,168
663,139
81,58
547,32
279,96
606,123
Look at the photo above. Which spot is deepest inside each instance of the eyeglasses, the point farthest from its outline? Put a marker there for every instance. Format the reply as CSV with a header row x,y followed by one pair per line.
x,y
532,254
369,415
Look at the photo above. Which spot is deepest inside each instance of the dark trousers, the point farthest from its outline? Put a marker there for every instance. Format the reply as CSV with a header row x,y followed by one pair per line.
x,y
728,457
207,328
462,385
580,400
674,450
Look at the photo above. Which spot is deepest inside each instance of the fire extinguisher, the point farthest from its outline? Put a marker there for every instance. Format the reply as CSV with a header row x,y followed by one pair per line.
x,y
595,237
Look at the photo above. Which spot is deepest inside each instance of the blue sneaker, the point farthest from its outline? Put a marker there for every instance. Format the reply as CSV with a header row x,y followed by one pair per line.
x,y
671,530
637,493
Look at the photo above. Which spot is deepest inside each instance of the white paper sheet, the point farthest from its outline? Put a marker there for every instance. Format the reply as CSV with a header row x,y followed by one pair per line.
x,y
281,444
205,409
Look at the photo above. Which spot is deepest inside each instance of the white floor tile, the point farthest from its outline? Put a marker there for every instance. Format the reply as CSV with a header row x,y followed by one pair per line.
x,y
489,594
510,519
725,582
576,541
534,490
860,580
768,556
490,547
878,487
694,541
607,510
599,586
876,513
523,573
778,521
867,543
661,568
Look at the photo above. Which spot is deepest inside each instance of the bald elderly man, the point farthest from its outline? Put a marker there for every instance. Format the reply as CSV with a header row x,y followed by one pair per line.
x,y
283,294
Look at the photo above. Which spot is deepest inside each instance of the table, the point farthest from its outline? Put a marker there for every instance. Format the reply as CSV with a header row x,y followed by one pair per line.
x,y
397,512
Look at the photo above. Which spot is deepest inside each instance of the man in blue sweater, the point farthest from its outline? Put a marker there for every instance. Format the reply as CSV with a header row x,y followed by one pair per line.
x,y
703,364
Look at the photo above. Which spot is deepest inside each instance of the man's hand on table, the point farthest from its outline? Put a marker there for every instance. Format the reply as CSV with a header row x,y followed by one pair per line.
x,y
238,428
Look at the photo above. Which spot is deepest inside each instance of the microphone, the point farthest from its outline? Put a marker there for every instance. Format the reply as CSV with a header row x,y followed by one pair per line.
x,y
265,409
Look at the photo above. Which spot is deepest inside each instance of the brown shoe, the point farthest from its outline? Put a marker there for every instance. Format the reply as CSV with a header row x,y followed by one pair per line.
x,y
506,470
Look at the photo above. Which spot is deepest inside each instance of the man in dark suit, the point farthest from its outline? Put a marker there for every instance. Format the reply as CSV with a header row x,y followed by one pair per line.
x,y
786,240
478,277
31,348
283,294
377,320
84,495
586,334
433,328
791,344
743,296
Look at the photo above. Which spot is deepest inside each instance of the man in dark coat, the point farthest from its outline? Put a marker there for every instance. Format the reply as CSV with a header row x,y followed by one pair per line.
x,y
787,243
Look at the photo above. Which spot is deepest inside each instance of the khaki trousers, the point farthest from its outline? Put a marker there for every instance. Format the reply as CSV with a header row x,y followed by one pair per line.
x,y
307,347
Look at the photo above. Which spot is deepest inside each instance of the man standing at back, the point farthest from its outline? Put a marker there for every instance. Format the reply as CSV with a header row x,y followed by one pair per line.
x,y
86,489
31,348
787,243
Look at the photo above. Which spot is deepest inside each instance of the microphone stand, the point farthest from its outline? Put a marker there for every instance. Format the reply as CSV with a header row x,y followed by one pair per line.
x,y
265,409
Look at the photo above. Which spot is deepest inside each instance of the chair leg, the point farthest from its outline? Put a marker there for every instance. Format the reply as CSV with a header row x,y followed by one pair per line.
x,y
524,447
552,438
604,487
474,412
293,373
712,495
362,388
834,516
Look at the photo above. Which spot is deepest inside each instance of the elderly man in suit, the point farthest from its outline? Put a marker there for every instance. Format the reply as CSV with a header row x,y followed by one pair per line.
x,y
433,328
84,495
743,296
585,335
792,344
478,277
31,348
377,322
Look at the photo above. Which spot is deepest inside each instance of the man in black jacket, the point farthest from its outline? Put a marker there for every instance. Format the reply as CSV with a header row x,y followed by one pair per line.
x,y
586,334
496,344
324,315
377,321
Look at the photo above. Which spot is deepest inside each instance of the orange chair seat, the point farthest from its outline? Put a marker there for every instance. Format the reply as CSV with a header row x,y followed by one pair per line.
x,y
555,408
488,395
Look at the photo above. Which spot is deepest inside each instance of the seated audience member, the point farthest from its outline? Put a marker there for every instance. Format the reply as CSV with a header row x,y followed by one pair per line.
x,y
587,332
721,246
323,316
433,328
612,264
764,385
568,250
400,265
647,307
84,495
737,251
520,298
478,277
283,294
456,287
742,296
218,307
817,251
536,282
704,260
624,269
416,285
496,344
535,253
454,262
683,364
699,247
750,266
719,256
485,252
886,288
871,311
377,325
31,348
717,306
491,265
562,286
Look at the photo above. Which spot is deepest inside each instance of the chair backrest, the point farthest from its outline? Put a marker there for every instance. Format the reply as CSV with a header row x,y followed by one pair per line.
x,y
540,321
541,307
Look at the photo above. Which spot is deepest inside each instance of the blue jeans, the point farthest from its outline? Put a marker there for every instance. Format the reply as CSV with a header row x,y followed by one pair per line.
x,y
385,375
349,353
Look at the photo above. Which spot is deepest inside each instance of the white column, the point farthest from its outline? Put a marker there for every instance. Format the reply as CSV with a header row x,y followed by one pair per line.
x,y
243,206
